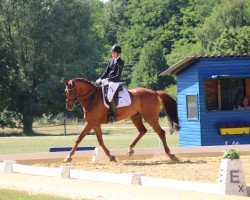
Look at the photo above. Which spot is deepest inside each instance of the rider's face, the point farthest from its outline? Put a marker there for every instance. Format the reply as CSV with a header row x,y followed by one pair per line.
x,y
114,54
245,101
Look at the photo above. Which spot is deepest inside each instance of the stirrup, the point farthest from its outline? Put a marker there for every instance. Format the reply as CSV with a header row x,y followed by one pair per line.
x,y
112,118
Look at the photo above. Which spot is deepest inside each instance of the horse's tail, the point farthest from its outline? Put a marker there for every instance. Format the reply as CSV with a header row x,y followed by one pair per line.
x,y
170,109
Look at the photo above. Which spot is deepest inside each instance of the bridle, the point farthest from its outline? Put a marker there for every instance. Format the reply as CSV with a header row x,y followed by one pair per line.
x,y
77,98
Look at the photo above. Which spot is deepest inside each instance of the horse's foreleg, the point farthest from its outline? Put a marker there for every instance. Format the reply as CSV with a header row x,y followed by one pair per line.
x,y
98,133
85,131
137,121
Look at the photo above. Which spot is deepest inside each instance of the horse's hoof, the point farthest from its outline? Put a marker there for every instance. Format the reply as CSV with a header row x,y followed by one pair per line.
x,y
131,152
67,159
174,158
112,159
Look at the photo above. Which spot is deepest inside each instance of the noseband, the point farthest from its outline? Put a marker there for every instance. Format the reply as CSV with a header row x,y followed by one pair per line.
x,y
76,99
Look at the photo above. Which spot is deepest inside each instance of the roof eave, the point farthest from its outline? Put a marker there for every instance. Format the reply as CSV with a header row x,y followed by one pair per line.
x,y
179,66
192,59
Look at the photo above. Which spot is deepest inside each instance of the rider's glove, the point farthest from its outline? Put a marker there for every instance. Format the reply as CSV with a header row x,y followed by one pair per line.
x,y
98,81
105,81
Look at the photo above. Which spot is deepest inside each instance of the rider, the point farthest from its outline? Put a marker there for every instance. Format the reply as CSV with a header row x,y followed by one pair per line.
x,y
113,74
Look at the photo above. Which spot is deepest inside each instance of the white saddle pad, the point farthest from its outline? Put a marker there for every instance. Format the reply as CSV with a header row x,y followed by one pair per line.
x,y
124,98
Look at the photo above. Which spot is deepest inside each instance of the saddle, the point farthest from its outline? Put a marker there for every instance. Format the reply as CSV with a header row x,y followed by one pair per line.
x,y
115,90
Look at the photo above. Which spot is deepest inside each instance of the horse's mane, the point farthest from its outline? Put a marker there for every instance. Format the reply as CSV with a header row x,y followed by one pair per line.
x,y
84,81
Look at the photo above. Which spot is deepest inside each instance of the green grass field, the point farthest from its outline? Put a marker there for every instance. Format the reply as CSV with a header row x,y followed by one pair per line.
x,y
16,195
117,135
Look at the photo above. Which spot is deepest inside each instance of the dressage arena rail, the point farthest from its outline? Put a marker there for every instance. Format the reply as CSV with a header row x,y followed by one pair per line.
x,y
11,164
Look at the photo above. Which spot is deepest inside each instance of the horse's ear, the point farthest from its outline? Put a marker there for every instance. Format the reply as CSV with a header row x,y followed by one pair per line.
x,y
65,81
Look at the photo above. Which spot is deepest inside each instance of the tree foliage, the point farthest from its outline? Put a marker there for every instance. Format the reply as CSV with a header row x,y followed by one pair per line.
x,y
48,40
226,16
151,64
42,41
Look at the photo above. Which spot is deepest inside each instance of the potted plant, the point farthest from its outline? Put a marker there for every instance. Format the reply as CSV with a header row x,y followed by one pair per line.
x,y
231,154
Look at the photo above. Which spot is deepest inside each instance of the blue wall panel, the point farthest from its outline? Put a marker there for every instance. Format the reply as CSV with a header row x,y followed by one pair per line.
x,y
211,120
191,81
189,134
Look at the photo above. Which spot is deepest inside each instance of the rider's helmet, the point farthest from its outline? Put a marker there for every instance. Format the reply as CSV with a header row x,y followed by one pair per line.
x,y
116,48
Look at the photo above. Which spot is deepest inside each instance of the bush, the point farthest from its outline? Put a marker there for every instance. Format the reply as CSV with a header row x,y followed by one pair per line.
x,y
231,154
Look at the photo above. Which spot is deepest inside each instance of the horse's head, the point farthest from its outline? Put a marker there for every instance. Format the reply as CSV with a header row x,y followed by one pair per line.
x,y
78,89
71,95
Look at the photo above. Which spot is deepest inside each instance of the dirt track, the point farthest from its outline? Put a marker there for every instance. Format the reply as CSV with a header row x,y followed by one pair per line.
x,y
203,169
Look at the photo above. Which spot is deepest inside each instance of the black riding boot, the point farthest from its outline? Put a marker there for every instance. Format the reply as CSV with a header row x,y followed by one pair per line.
x,y
112,116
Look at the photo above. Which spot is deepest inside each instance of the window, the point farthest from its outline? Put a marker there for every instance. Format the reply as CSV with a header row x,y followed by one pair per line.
x,y
226,94
192,107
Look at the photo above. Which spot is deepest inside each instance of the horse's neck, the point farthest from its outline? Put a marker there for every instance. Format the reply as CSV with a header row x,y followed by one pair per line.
x,y
86,92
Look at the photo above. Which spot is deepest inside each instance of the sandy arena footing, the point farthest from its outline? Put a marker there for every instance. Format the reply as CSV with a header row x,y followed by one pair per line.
x,y
196,167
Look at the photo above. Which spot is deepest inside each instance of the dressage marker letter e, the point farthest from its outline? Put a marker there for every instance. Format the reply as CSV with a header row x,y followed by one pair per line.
x,y
234,176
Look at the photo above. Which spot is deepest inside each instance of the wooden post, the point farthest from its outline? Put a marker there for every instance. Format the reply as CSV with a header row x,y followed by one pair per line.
x,y
219,94
64,124
76,125
248,89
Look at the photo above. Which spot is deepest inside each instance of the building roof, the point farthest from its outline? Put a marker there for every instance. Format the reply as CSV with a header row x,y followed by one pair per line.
x,y
186,62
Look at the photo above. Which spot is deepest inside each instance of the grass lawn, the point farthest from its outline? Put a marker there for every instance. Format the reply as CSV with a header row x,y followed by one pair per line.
x,y
17,195
117,135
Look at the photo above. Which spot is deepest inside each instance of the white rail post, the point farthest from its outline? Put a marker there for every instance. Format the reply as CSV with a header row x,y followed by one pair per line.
x,y
232,179
7,166
64,171
99,155
136,178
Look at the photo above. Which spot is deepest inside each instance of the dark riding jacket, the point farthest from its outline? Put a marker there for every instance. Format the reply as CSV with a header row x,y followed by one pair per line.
x,y
114,70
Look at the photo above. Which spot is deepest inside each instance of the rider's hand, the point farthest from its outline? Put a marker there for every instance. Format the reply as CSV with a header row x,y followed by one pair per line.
x,y
105,81
98,81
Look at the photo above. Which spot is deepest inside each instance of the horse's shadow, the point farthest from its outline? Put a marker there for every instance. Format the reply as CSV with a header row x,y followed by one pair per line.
x,y
163,162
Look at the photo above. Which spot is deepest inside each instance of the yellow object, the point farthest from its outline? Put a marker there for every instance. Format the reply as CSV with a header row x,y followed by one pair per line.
x,y
235,131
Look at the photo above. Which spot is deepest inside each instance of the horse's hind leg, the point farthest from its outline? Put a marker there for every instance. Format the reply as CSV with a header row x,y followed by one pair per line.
x,y
156,126
137,121
98,133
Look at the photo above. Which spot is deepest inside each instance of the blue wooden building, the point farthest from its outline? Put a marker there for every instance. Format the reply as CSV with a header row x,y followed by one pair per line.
x,y
209,90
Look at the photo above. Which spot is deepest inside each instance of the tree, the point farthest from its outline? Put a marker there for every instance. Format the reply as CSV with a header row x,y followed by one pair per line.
x,y
147,21
8,68
49,40
151,64
233,40
226,15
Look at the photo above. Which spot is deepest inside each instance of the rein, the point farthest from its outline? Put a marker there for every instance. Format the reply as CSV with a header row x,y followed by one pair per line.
x,y
78,98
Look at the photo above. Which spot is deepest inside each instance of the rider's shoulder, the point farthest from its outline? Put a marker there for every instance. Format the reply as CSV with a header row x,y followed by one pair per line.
x,y
120,61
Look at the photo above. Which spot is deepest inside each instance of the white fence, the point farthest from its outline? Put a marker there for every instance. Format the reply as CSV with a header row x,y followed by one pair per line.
x,y
10,166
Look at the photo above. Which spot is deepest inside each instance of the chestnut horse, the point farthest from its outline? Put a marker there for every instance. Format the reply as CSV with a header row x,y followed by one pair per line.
x,y
145,104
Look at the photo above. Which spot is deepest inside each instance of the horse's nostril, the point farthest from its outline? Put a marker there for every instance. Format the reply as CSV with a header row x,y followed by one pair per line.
x,y
69,108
